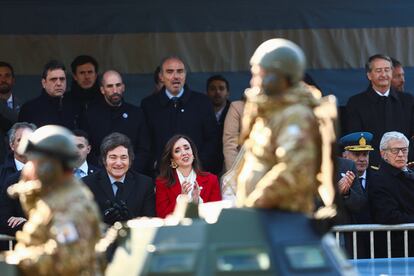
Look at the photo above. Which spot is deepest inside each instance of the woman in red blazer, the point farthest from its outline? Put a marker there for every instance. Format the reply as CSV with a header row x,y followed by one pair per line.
x,y
180,173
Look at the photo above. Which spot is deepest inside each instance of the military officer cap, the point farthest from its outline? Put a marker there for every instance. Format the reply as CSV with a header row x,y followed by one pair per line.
x,y
357,141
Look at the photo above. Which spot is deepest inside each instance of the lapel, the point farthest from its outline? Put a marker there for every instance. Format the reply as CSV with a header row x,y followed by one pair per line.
x,y
105,185
129,184
202,182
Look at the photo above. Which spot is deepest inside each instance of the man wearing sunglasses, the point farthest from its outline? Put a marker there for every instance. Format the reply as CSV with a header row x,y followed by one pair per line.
x,y
392,194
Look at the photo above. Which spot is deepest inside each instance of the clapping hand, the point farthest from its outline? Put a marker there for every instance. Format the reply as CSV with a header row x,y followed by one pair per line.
x,y
345,183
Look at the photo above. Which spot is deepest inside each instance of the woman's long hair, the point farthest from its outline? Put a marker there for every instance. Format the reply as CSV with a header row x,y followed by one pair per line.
x,y
166,172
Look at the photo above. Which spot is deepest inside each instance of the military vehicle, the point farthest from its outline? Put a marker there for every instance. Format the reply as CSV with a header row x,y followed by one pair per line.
x,y
236,242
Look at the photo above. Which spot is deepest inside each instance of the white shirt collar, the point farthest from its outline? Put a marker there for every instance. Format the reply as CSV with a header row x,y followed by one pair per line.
x,y
170,95
19,165
84,168
364,175
386,94
218,113
10,101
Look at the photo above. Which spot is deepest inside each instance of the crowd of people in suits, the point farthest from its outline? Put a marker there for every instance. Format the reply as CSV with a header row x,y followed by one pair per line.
x,y
138,160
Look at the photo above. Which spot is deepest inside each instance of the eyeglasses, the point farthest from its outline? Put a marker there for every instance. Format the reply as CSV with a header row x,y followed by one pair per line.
x,y
397,150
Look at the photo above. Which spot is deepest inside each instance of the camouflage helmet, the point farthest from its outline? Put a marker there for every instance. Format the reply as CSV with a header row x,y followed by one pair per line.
x,y
53,141
282,55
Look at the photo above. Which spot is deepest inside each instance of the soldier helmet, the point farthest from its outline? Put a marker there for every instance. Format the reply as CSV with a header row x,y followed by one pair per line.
x,y
282,55
53,141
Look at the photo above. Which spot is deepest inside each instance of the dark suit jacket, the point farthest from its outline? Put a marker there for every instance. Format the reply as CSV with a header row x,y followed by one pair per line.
x,y
138,192
10,207
356,200
192,116
47,110
102,119
219,165
7,118
367,111
166,196
391,200
6,170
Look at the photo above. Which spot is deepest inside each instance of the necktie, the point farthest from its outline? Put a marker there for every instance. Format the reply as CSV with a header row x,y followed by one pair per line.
x,y
175,100
361,180
120,189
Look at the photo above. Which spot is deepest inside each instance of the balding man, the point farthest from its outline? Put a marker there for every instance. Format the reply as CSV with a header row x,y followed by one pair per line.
x,y
176,109
113,114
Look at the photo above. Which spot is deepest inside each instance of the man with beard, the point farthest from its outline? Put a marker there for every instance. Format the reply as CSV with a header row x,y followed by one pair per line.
x,y
52,107
9,105
85,87
218,90
112,114
398,76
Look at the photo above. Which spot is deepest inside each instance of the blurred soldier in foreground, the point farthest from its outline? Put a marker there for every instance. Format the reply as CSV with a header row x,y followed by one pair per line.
x,y
62,229
282,140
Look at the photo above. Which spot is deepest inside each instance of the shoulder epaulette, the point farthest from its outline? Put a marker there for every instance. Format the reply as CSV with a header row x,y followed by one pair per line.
x,y
375,168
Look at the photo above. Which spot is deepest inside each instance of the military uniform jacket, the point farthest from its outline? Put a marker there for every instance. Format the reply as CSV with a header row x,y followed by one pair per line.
x,y
138,192
102,119
66,220
282,153
193,116
356,199
367,111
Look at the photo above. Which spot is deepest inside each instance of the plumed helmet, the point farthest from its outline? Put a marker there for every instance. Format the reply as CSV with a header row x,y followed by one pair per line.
x,y
53,141
283,55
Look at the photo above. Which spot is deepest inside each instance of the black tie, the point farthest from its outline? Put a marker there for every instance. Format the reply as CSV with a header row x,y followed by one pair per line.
x,y
175,101
120,189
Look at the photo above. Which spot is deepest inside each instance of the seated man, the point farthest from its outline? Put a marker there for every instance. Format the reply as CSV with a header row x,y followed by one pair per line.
x,y
14,161
82,166
121,193
392,197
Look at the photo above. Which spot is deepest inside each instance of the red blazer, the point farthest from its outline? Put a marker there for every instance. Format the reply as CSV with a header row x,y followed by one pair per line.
x,y
165,197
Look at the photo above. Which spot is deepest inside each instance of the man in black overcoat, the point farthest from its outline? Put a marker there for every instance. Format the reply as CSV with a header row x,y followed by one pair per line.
x,y
176,109
380,108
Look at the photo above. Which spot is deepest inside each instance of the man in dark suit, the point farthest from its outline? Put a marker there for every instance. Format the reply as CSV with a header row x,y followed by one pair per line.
x,y
53,106
391,198
15,161
83,167
218,90
380,108
120,193
176,109
112,114
9,105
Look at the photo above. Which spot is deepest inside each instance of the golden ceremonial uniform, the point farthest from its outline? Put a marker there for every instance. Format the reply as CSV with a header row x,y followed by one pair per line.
x,y
62,229
282,155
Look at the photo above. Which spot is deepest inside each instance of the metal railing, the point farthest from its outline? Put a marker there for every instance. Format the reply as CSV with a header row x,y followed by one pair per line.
x,y
371,228
8,238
